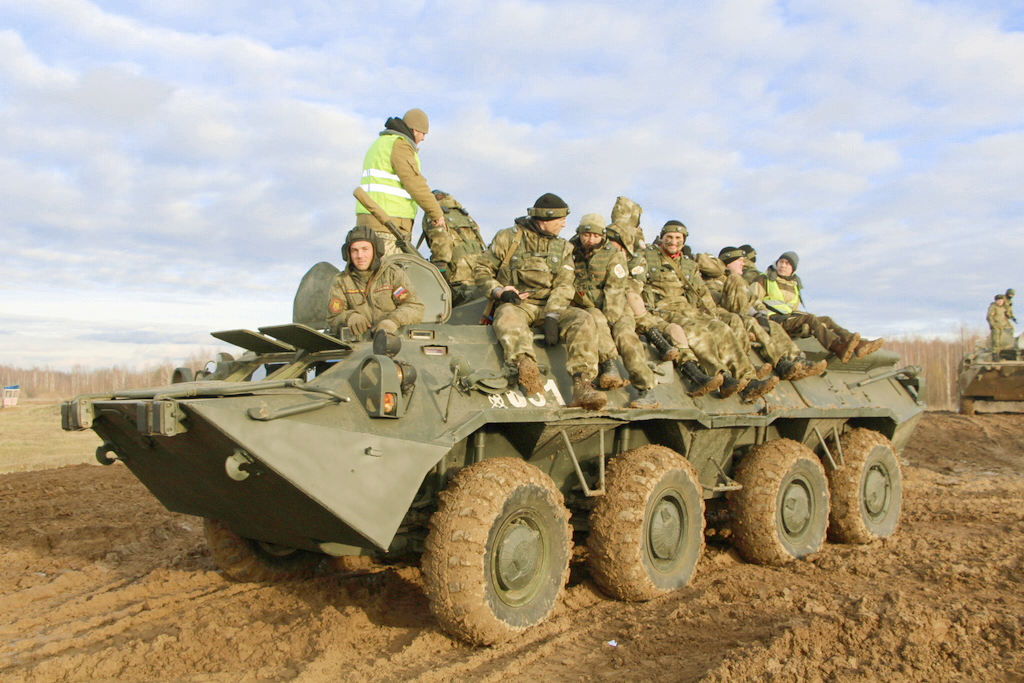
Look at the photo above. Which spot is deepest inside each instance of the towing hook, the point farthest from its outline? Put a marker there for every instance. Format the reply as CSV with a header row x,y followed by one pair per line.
x,y
101,454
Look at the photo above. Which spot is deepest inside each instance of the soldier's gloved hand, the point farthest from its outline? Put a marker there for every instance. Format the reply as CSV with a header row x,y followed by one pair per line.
x,y
510,297
762,320
550,330
357,323
388,326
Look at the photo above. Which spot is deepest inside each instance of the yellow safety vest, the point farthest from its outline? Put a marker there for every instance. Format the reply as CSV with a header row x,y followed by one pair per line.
x,y
776,298
381,183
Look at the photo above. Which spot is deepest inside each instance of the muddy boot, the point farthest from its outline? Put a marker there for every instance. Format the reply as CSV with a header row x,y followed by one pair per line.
x,y
764,370
865,347
608,376
663,346
645,401
703,384
529,376
584,395
798,368
731,386
845,349
758,388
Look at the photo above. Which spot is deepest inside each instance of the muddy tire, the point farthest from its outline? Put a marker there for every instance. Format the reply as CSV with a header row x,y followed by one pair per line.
x,y
647,531
967,406
246,560
867,491
782,511
497,554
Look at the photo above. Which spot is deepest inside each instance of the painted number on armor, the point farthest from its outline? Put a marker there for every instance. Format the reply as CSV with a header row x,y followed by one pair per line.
x,y
516,399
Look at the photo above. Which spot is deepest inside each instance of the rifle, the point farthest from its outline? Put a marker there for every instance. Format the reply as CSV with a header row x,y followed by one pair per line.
x,y
363,198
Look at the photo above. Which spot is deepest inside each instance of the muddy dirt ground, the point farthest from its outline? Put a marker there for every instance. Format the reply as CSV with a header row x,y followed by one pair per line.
x,y
99,583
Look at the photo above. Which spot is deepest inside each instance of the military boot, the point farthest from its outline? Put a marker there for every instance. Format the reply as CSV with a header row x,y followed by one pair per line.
x,y
845,349
764,370
645,401
584,395
608,375
664,347
757,388
529,376
731,386
704,384
798,368
865,347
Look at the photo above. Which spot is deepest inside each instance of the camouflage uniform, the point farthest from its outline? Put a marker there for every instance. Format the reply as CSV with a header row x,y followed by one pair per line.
x,y
456,247
686,301
541,265
601,279
999,324
824,329
384,294
731,293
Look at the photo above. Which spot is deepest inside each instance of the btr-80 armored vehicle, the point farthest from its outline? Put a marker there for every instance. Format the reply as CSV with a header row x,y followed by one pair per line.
x,y
993,382
307,445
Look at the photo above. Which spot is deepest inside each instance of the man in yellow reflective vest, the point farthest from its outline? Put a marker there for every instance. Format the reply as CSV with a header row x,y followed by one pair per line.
x,y
777,292
392,178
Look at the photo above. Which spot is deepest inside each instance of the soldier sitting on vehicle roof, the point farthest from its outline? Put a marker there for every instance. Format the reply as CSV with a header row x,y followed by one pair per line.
x,y
778,293
455,247
368,295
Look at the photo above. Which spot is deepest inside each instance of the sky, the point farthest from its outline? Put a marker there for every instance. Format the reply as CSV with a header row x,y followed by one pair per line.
x,y
169,168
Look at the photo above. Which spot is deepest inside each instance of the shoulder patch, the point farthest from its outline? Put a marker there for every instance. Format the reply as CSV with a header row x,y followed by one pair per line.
x,y
400,293
619,270
637,270
336,305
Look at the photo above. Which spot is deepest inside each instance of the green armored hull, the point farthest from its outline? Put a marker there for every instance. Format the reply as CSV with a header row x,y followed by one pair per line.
x,y
306,446
992,382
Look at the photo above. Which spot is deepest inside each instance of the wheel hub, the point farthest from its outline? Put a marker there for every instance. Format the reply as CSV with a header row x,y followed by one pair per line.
x,y
796,508
518,556
666,529
876,491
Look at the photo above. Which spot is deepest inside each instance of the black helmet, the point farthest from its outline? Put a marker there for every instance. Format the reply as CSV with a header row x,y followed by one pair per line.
x,y
364,233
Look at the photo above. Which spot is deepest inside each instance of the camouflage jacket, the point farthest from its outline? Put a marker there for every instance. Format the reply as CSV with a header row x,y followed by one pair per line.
x,y
541,265
601,278
675,284
997,317
456,246
385,294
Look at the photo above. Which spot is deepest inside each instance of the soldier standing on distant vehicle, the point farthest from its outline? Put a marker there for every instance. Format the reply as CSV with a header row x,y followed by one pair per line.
x,y
369,296
1009,308
601,278
391,176
999,324
528,272
778,292
455,246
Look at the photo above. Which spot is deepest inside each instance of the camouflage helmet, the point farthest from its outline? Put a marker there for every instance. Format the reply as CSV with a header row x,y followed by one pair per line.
x,y
730,254
1000,296
674,226
548,207
593,223
364,233
1010,292
749,253
446,201
626,212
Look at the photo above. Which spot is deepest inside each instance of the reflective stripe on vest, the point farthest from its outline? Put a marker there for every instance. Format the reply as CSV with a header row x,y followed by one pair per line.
x,y
382,184
775,297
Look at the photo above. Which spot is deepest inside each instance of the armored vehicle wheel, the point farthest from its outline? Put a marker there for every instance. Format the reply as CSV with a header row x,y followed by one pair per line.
x,y
647,531
497,554
244,559
781,513
867,492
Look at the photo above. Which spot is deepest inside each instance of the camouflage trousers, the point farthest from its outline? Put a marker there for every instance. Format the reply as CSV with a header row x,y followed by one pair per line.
x,y
821,327
404,226
1001,338
619,339
648,321
771,345
514,323
713,342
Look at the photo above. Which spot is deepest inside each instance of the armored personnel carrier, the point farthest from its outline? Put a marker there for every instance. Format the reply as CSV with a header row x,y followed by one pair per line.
x,y
992,382
303,446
